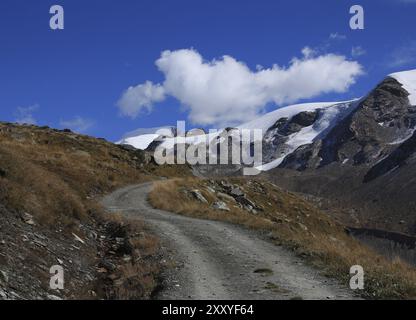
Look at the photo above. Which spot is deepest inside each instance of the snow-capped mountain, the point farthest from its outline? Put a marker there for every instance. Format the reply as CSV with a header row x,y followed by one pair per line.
x,y
309,123
277,142
381,121
314,134
143,137
408,80
364,166
354,154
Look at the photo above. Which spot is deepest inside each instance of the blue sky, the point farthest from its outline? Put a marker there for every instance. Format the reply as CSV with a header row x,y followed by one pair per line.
x,y
75,77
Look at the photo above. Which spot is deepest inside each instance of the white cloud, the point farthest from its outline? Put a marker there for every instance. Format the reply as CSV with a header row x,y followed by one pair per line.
x,y
309,52
226,92
77,124
358,51
139,98
24,115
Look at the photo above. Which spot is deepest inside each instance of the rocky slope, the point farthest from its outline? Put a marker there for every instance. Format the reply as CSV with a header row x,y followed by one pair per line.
x,y
383,120
50,181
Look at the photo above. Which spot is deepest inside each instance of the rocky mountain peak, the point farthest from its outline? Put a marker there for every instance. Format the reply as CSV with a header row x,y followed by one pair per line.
x,y
383,119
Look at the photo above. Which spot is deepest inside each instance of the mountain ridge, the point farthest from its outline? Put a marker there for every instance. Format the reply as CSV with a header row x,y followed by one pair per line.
x,y
358,155
281,145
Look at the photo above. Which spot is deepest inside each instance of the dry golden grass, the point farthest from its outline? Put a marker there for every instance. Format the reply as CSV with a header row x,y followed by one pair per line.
x,y
291,221
54,176
57,177
135,282
137,278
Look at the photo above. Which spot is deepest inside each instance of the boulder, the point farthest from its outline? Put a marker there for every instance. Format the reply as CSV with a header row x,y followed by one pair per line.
x,y
220,205
198,195
225,184
246,202
4,277
210,190
28,219
3,295
236,192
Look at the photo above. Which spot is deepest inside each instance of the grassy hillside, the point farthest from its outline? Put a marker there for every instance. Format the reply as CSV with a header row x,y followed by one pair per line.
x,y
288,220
50,184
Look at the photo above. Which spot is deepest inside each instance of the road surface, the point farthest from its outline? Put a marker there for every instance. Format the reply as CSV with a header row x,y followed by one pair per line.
x,y
217,260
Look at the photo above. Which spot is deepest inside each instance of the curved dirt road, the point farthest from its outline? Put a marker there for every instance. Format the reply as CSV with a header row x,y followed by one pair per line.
x,y
218,260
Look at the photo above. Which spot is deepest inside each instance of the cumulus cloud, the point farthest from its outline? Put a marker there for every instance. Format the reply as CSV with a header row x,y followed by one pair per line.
x,y
24,115
77,124
226,91
139,98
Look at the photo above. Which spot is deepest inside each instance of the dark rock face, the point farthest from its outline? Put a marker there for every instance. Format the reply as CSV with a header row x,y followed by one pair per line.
x,y
398,158
154,144
286,127
364,167
138,155
301,120
367,135
304,157
127,147
280,124
274,144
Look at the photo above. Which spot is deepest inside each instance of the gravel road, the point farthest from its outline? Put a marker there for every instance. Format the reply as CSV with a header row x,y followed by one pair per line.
x,y
217,260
